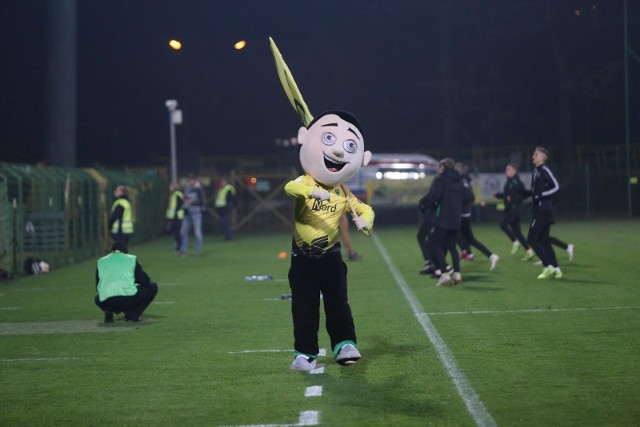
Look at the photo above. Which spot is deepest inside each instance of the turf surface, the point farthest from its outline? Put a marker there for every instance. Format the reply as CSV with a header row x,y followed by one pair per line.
x,y
215,349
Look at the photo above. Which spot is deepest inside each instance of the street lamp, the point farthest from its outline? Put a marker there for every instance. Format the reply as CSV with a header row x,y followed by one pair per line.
x,y
175,118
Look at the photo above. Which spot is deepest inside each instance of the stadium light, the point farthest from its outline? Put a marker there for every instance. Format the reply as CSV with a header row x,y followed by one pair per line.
x,y
175,118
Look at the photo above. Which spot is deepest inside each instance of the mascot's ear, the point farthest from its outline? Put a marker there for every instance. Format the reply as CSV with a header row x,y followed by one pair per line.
x,y
302,135
366,158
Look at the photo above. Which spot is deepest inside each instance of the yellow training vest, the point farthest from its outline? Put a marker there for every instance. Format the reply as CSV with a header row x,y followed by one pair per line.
x,y
127,217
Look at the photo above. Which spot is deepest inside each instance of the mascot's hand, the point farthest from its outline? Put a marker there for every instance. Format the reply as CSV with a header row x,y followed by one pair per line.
x,y
320,194
361,223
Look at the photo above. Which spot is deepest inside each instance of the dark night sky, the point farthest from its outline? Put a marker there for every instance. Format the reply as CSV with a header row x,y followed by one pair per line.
x,y
382,60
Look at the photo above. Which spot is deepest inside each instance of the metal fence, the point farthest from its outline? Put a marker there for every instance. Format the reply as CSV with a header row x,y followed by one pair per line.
x,y
60,215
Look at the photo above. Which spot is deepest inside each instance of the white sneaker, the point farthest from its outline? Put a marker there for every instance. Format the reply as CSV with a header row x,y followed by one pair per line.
x,y
570,251
514,247
444,279
493,259
537,262
348,355
457,278
303,363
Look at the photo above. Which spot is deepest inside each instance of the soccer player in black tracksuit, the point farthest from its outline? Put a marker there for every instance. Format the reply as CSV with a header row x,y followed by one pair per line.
x,y
544,188
513,195
466,239
446,196
428,221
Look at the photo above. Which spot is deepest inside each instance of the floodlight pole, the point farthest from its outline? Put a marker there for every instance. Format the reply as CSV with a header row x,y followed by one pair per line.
x,y
171,105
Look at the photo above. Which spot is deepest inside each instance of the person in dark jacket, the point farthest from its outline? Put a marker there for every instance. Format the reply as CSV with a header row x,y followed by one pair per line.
x,y
466,239
446,197
513,195
428,221
122,285
544,189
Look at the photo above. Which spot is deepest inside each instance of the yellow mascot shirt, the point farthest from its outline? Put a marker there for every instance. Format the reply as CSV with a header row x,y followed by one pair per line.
x,y
316,222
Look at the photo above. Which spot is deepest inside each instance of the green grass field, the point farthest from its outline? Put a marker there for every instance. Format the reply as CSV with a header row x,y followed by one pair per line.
x,y
503,348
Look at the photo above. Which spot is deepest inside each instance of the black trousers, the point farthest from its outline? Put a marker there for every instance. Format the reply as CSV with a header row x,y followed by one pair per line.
x,y
466,238
538,237
132,306
307,278
445,241
559,243
423,238
176,227
510,224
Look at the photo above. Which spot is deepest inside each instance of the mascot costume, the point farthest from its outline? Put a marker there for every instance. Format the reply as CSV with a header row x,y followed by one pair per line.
x,y
331,152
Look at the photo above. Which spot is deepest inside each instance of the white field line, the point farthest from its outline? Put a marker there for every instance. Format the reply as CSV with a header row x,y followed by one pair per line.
x,y
313,391
317,371
471,399
322,352
307,418
10,308
535,310
163,302
260,351
39,359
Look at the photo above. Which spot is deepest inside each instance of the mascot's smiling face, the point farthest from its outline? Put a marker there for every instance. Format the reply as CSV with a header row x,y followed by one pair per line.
x,y
332,148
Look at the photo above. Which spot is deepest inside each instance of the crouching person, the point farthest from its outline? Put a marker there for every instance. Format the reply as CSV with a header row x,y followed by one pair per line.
x,y
122,285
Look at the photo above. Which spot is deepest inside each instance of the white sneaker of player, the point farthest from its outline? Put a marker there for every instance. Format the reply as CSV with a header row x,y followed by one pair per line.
x,y
303,363
570,249
457,278
444,279
514,247
493,259
348,355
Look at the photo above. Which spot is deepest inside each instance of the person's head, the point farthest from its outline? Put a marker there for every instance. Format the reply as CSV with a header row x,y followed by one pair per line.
x,y
511,170
461,168
223,181
192,179
446,163
174,186
119,246
120,191
540,156
332,148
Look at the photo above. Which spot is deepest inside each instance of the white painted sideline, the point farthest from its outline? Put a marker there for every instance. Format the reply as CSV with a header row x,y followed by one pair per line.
x,y
471,399
535,310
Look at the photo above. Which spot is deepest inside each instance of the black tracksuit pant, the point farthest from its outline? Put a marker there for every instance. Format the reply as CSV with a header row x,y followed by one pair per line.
x,y
423,238
443,241
510,224
467,239
538,237
307,278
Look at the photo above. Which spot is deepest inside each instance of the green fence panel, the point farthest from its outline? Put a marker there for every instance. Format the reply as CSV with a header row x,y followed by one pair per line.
x,y
60,215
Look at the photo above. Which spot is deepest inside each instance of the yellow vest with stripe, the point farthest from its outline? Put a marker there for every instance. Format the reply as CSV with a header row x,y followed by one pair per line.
x,y
221,197
173,206
127,217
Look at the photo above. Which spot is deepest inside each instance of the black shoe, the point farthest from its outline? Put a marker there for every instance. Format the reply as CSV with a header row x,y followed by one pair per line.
x,y
108,317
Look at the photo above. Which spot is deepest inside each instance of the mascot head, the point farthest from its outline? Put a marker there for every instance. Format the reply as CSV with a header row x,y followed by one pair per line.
x,y
332,148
